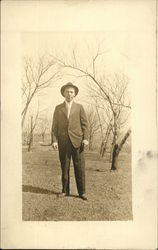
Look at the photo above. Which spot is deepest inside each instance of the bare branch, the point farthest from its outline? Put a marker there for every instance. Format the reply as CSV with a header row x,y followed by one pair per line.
x,y
33,80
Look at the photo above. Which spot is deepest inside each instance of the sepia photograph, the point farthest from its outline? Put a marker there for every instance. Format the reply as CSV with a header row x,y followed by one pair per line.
x,y
79,79
79,124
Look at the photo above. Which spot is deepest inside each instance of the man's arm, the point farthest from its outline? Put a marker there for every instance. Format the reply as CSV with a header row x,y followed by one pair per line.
x,y
54,129
84,125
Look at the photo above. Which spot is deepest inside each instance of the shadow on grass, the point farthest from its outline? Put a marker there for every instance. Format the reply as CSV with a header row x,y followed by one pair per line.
x,y
59,195
37,190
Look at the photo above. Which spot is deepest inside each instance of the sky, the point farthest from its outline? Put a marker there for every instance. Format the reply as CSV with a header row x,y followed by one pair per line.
x,y
113,45
127,33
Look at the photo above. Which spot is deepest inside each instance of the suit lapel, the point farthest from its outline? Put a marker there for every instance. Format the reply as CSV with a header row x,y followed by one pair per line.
x,y
73,107
63,108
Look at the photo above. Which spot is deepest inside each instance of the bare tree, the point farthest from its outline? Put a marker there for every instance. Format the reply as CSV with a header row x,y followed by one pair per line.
x,y
112,118
30,137
110,91
116,87
104,143
33,124
36,77
94,125
44,126
104,119
117,149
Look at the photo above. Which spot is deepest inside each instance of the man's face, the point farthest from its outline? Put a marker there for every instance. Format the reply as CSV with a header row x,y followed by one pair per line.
x,y
69,94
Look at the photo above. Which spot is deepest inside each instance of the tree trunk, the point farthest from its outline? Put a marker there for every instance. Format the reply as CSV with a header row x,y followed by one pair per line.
x,y
117,149
31,135
43,136
123,141
30,143
114,158
115,135
23,118
101,148
27,105
106,141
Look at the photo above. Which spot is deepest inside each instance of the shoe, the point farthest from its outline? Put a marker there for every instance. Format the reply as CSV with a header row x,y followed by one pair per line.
x,y
63,195
83,197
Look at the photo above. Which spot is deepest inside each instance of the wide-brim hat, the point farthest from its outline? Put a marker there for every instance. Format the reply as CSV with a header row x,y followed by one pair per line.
x,y
69,84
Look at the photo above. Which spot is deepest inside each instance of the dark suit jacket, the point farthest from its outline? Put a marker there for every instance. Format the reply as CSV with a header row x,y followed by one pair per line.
x,y
76,127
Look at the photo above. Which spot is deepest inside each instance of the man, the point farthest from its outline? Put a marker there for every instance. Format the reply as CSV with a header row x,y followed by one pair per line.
x,y
70,136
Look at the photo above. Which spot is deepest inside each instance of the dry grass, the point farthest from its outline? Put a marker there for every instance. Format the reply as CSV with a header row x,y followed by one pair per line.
x,y
109,193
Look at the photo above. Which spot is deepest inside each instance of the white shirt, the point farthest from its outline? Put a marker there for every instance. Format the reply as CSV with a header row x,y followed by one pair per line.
x,y
68,106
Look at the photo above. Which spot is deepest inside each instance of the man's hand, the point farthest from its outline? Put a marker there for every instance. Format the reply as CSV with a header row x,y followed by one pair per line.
x,y
55,145
85,143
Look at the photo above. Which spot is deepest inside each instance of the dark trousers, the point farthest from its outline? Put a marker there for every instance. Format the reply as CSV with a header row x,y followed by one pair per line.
x,y
66,151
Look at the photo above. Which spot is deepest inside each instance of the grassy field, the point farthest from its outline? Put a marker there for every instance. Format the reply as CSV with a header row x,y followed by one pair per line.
x,y
109,193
